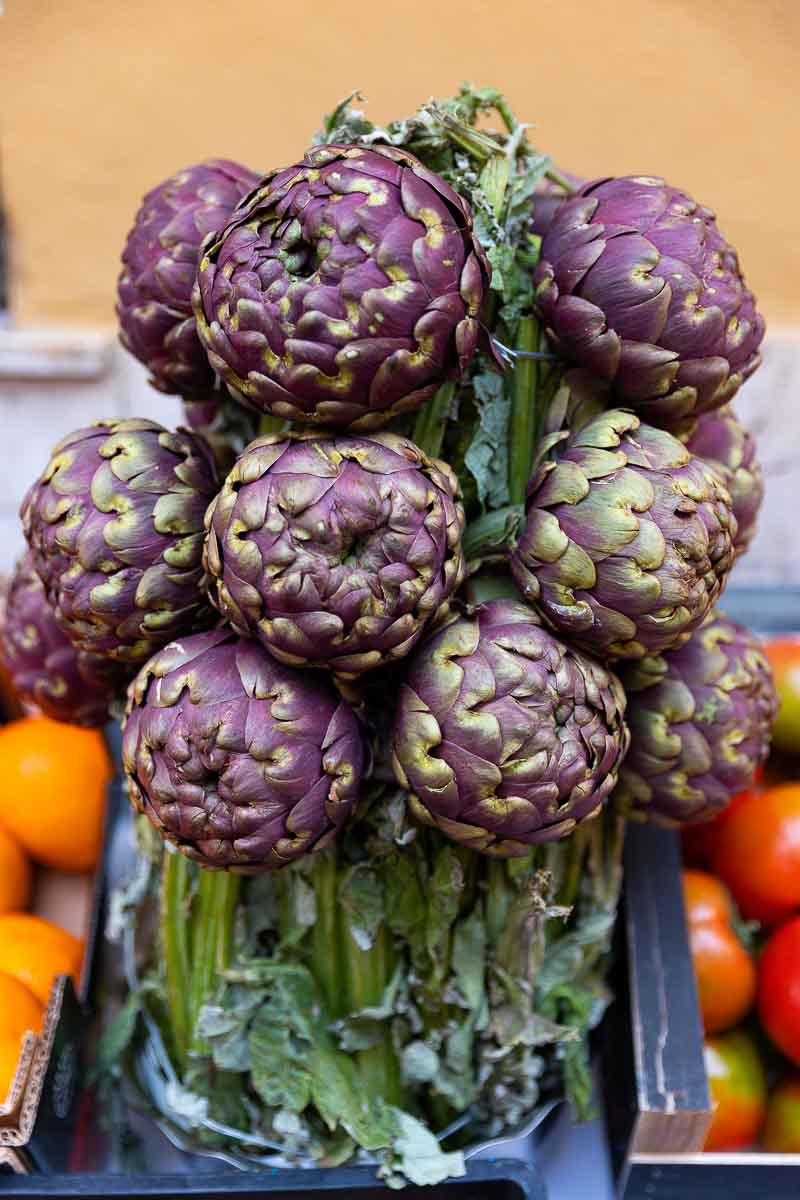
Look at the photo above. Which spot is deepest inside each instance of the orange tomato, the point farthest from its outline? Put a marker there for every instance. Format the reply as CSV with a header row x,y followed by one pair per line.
x,y
20,1011
725,974
34,951
10,1047
53,780
782,1126
784,656
16,875
758,854
738,1091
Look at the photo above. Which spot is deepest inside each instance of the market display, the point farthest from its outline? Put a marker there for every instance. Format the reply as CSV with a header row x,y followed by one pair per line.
x,y
416,615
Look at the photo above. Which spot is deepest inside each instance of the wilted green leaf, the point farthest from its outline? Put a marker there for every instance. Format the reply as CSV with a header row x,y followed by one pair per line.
x,y
361,897
279,1071
487,456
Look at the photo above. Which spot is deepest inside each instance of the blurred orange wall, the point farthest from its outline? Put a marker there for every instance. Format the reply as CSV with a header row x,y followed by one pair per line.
x,y
99,101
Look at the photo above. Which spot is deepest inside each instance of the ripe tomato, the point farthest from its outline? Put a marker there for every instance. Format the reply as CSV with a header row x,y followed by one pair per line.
x,y
738,1091
726,977
699,842
758,853
779,989
782,1126
706,898
784,655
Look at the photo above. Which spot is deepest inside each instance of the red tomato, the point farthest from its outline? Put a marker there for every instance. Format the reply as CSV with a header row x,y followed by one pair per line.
x,y
726,977
779,989
782,1127
699,842
784,655
738,1091
758,853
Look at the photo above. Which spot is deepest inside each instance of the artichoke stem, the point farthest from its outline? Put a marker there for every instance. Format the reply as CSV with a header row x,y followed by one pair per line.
x,y
522,437
175,949
576,848
212,936
431,422
492,535
325,949
269,424
367,975
498,898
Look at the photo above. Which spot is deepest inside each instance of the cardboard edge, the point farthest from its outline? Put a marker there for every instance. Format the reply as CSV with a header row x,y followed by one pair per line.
x,y
31,1071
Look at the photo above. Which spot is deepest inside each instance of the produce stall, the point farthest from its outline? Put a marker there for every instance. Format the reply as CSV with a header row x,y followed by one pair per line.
x,y
413,687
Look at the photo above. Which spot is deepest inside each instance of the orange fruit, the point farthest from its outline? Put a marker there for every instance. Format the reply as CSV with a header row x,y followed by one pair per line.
x,y
16,876
53,780
10,1047
34,951
19,1008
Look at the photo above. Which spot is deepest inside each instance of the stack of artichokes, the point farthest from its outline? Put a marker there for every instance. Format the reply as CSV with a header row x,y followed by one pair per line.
x,y
462,480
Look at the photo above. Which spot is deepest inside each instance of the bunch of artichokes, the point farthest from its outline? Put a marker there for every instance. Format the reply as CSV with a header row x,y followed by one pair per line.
x,y
381,349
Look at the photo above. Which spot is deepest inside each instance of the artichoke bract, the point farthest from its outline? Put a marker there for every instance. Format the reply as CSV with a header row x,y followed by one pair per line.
x,y
45,668
721,439
335,551
159,262
548,198
628,539
636,283
115,526
344,290
700,720
239,761
505,736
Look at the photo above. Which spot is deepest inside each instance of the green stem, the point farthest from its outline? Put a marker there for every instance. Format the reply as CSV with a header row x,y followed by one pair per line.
x,y
367,974
488,585
523,412
498,899
324,935
175,947
555,176
490,535
431,422
212,935
575,847
270,424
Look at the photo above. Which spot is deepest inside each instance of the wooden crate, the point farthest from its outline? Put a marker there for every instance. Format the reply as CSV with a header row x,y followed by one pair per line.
x,y
657,1095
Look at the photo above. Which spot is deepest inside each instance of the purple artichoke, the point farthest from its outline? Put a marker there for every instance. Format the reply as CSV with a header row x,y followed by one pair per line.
x,y
719,438
46,670
115,526
159,262
636,283
335,551
240,762
344,291
700,720
548,199
628,539
504,735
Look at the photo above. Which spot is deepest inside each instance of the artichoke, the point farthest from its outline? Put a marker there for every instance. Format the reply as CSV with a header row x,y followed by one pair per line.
x,y
505,736
46,670
335,551
628,539
115,526
700,720
344,291
548,198
636,283
159,262
240,762
723,441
